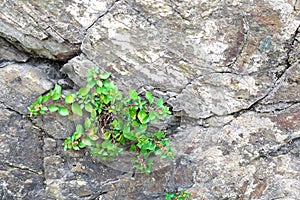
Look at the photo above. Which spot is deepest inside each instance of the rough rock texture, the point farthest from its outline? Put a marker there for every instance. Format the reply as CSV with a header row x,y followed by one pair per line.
x,y
230,70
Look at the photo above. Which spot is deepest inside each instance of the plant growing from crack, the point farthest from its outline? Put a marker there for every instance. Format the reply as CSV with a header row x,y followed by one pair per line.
x,y
183,195
114,122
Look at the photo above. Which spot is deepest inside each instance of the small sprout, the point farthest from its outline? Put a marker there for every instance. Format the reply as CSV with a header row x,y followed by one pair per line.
x,y
178,196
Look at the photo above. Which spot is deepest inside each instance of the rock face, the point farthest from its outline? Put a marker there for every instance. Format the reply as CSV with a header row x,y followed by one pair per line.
x,y
230,71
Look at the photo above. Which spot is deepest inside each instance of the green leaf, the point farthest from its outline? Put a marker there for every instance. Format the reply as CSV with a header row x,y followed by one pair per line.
x,y
104,75
39,99
69,99
121,139
102,90
146,146
132,112
63,111
108,84
79,129
166,143
126,128
87,141
117,124
96,69
169,196
152,147
143,117
129,136
53,108
56,96
149,97
133,148
159,135
99,83
83,91
94,137
106,99
89,74
81,145
91,83
42,112
159,103
157,151
87,123
107,135
76,148
152,116
76,109
44,108
133,94
119,150
108,145
76,136
93,115
88,107
46,98
141,128
57,89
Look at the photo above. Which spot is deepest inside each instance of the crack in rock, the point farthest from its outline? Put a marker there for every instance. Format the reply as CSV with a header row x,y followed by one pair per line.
x,y
101,15
21,167
280,149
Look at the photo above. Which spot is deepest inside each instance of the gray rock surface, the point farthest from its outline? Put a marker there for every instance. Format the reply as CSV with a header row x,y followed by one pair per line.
x,y
228,69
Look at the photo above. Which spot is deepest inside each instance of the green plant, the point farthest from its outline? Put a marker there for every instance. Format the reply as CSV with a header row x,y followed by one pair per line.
x,y
113,122
178,196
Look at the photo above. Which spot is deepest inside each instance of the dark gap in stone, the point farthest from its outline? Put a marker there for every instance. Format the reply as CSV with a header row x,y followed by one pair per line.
x,y
174,121
52,69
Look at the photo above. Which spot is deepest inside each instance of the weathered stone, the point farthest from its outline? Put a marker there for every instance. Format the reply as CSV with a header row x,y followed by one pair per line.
x,y
82,176
228,69
246,155
20,84
14,135
10,53
54,29
21,168
18,183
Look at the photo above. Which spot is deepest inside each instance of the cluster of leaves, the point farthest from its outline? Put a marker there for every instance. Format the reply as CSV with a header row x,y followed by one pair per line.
x,y
114,122
178,196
